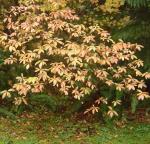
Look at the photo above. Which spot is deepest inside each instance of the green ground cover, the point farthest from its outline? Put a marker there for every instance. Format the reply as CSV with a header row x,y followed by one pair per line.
x,y
51,129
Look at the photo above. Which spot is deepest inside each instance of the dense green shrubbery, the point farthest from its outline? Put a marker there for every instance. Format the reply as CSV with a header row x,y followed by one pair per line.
x,y
58,53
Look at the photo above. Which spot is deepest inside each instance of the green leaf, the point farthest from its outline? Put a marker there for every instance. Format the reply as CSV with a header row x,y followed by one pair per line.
x,y
137,3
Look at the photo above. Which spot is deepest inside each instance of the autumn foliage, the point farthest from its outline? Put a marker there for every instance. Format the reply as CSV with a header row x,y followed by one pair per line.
x,y
57,51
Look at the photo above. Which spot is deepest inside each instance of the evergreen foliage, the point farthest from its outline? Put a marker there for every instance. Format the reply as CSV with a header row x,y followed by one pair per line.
x,y
138,3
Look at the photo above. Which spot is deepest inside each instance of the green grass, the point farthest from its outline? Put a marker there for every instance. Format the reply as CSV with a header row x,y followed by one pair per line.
x,y
51,129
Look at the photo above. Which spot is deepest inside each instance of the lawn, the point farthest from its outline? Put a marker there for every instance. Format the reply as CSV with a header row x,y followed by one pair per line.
x,y
48,128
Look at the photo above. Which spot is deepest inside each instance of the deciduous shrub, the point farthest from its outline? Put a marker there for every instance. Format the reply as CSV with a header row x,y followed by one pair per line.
x,y
59,52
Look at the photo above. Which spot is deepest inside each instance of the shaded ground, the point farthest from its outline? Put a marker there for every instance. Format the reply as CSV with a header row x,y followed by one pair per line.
x,y
49,129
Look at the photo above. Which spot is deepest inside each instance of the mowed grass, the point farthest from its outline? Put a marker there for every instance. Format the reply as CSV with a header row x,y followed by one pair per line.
x,y
51,129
